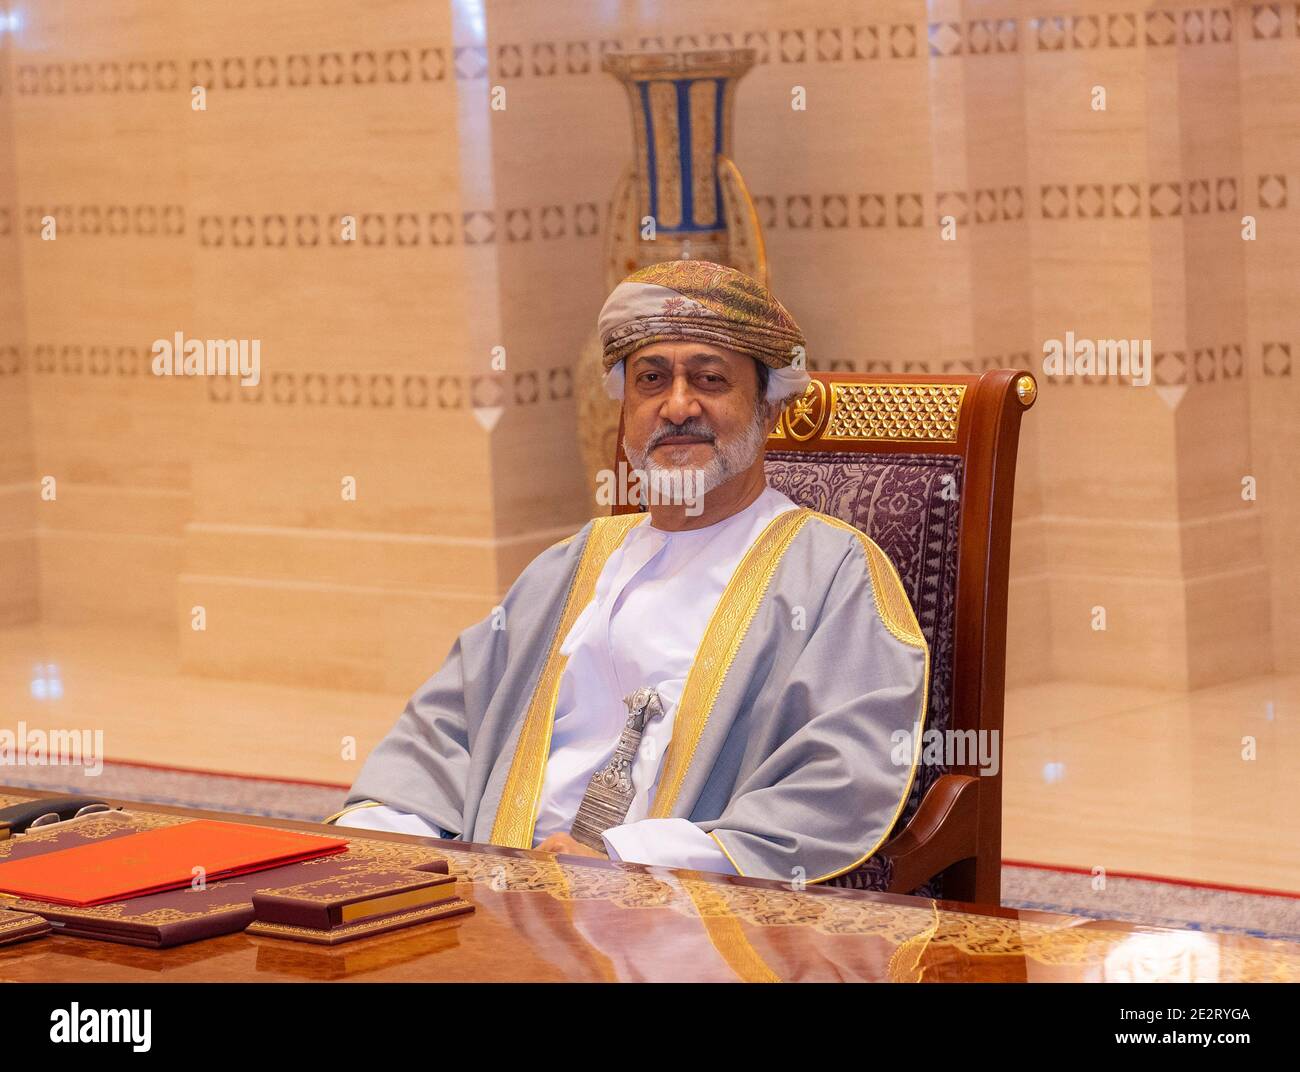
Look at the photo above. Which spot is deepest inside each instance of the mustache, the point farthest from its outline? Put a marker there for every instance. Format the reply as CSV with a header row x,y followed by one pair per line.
x,y
692,426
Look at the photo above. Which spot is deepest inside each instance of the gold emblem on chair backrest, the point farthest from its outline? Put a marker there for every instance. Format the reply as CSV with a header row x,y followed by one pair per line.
x,y
804,416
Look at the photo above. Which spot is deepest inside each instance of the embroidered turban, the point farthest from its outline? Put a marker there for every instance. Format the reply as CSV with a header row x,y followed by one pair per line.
x,y
704,302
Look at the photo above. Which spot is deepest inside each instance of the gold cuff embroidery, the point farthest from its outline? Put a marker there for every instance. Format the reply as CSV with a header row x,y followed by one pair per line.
x,y
351,807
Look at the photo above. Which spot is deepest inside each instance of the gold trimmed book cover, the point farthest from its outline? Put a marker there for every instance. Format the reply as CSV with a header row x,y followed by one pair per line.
x,y
19,926
351,898
365,928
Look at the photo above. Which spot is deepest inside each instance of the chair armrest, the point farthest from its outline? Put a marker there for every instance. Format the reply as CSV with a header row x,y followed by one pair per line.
x,y
942,832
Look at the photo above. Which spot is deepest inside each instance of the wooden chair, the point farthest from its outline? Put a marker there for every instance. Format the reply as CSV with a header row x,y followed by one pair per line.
x,y
925,466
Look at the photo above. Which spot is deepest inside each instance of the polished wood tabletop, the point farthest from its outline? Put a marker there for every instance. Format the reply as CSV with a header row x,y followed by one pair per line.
x,y
544,918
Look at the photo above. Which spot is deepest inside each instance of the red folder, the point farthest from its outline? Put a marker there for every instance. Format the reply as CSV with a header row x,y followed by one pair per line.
x,y
157,860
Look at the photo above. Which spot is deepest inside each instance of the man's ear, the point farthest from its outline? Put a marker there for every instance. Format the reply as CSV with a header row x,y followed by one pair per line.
x,y
774,410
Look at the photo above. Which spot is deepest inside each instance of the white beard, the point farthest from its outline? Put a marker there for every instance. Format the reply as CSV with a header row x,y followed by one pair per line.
x,y
678,484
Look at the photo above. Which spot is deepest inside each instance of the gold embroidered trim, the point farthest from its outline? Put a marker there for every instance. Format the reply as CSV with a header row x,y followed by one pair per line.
x,y
722,638
351,807
892,604
517,811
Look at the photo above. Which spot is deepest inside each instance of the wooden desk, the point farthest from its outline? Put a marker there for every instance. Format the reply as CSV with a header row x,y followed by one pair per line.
x,y
545,918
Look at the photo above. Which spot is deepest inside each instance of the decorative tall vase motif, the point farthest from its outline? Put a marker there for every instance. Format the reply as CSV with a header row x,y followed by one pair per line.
x,y
681,198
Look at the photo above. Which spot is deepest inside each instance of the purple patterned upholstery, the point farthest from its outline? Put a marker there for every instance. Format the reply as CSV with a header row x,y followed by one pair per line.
x,y
908,504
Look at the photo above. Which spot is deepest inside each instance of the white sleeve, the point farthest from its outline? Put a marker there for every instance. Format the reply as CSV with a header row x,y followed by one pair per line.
x,y
667,843
382,817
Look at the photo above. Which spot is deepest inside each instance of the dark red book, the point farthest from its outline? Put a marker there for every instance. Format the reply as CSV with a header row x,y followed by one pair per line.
x,y
345,899
168,858
365,928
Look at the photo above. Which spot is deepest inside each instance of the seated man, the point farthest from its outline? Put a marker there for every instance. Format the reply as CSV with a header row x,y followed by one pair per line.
x,y
712,685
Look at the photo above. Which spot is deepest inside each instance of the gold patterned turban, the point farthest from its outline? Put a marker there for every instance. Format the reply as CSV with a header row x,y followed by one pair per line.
x,y
699,301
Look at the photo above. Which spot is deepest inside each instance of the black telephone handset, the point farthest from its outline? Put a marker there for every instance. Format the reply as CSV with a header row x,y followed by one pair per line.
x,y
33,814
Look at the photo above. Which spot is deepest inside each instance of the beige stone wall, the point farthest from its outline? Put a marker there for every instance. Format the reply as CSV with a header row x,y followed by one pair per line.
x,y
19,564
481,228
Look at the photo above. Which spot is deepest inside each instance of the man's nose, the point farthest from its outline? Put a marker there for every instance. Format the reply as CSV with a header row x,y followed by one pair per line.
x,y
681,402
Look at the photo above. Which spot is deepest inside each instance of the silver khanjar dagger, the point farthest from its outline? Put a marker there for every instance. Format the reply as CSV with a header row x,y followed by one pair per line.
x,y
609,793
